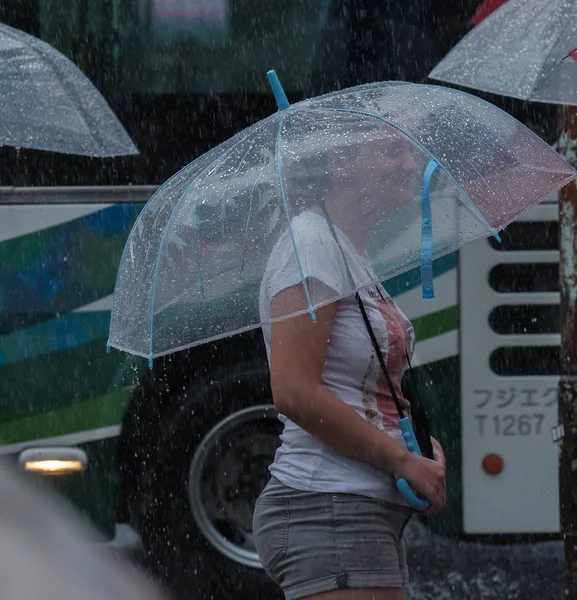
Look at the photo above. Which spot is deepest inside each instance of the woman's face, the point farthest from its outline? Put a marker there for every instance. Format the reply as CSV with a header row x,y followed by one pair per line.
x,y
377,177
386,170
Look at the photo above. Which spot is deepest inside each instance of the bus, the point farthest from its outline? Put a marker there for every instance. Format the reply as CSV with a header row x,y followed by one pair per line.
x,y
179,452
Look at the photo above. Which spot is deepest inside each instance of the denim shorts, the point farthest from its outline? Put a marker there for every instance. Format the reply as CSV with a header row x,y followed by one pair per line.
x,y
311,542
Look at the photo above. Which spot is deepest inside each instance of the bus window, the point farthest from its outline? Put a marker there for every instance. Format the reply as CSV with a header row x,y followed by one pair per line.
x,y
513,319
524,277
188,46
525,361
185,75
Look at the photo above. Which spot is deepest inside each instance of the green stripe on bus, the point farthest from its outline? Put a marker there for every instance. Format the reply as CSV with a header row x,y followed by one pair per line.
x,y
104,411
436,323
53,381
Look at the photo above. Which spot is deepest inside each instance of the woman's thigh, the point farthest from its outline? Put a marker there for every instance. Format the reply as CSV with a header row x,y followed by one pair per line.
x,y
361,594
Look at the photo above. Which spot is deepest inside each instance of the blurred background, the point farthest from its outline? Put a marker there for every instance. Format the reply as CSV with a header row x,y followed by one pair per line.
x,y
167,462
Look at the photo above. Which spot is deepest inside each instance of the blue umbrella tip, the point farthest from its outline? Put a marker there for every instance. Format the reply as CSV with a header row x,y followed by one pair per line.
x,y
277,89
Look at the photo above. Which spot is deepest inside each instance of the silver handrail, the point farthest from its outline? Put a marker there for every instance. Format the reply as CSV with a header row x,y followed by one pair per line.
x,y
76,194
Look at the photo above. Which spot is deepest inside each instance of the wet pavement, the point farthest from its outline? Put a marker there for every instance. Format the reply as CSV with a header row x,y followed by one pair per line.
x,y
443,568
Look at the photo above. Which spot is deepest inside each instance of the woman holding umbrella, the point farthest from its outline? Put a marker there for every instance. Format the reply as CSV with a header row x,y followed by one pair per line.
x,y
330,522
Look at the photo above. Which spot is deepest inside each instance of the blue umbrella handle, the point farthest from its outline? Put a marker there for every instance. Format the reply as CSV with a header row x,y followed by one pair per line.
x,y
402,484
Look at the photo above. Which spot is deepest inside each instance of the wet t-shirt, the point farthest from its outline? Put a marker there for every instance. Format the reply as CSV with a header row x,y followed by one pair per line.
x,y
351,370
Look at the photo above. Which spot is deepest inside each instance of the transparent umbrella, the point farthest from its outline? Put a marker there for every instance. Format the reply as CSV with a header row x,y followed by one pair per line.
x,y
397,173
47,103
410,171
522,50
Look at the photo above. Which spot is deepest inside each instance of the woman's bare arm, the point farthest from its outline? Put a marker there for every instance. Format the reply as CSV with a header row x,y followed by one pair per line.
x,y
298,354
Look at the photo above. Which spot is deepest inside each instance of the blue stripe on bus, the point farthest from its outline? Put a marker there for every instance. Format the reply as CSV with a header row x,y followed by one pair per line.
x,y
66,331
78,328
411,279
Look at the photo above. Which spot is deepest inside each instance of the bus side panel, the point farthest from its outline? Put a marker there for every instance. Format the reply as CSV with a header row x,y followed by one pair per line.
x,y
58,386
509,364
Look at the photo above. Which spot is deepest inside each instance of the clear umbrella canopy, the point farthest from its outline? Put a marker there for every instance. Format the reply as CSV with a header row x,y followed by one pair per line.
x,y
47,103
521,51
403,172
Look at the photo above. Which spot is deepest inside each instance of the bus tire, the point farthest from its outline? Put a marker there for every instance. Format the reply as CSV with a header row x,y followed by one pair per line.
x,y
209,461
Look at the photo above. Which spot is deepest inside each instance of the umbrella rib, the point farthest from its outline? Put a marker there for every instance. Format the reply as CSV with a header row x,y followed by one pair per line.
x,y
539,80
310,309
173,212
422,147
84,115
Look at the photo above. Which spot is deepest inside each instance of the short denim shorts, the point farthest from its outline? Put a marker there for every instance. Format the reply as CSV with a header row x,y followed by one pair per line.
x,y
310,542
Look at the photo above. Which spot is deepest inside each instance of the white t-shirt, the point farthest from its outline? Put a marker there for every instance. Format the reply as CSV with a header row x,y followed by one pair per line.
x,y
351,370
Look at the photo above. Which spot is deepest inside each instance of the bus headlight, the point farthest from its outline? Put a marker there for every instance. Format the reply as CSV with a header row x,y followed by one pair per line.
x,y
53,461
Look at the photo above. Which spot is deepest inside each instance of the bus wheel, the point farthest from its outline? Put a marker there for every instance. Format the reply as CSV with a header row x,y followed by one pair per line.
x,y
211,463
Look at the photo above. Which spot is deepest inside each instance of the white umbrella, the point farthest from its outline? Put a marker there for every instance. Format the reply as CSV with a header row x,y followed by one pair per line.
x,y
521,50
47,103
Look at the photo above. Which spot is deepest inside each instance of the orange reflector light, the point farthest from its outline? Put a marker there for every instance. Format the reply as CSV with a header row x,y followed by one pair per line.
x,y
493,464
